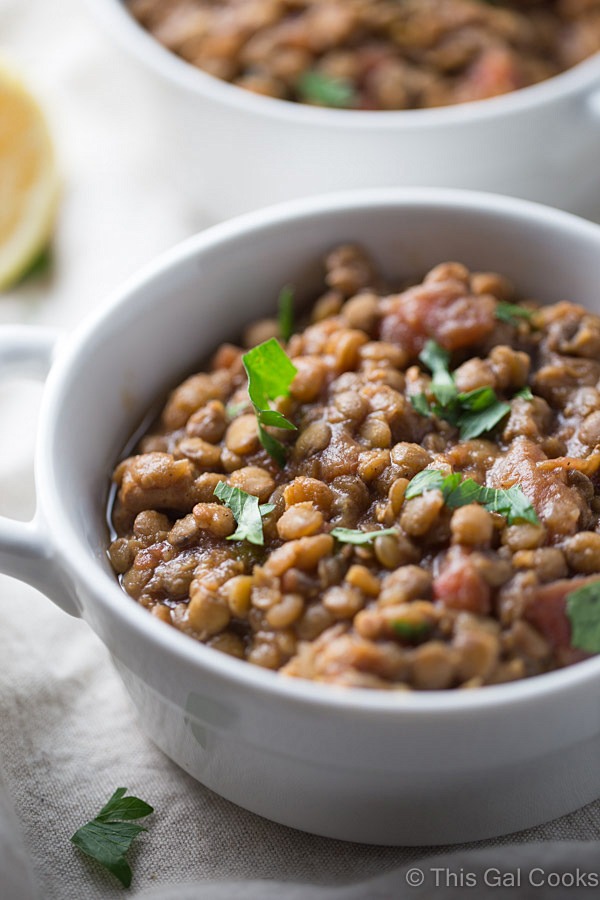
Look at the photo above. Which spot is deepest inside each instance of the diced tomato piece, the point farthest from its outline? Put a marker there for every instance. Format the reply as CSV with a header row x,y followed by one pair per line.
x,y
546,610
460,586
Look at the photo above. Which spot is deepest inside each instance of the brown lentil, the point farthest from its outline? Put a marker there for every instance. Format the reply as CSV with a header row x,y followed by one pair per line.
x,y
472,525
298,521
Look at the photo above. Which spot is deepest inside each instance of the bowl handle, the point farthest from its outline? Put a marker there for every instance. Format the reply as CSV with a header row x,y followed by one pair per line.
x,y
26,551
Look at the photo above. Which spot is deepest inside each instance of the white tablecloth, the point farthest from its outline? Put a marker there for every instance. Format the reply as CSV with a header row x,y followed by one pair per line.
x,y
68,736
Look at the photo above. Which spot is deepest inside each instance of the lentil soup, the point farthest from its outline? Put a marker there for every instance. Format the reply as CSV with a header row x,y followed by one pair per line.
x,y
377,54
401,492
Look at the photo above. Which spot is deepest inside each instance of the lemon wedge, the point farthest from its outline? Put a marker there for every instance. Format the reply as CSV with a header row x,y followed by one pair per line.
x,y
28,179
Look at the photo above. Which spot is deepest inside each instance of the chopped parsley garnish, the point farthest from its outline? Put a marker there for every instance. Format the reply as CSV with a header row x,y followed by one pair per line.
x,y
511,503
437,361
419,402
411,632
583,611
108,836
525,393
286,312
316,87
473,412
233,410
476,412
428,480
356,536
247,512
511,313
270,373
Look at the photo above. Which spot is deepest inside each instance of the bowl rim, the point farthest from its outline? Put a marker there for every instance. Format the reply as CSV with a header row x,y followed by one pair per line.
x,y
73,556
177,71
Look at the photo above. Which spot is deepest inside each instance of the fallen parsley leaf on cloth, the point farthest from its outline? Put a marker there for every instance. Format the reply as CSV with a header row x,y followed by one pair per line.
x,y
356,536
583,611
109,835
511,503
270,373
247,512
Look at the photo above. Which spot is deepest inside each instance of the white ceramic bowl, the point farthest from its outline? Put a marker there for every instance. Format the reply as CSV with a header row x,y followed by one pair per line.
x,y
232,151
408,768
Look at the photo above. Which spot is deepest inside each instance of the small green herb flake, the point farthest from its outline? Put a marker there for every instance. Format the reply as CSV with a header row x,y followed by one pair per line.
x,y
583,612
427,480
270,373
511,313
525,393
411,632
481,410
473,412
247,512
419,402
108,836
286,312
233,410
316,87
437,361
356,536
511,503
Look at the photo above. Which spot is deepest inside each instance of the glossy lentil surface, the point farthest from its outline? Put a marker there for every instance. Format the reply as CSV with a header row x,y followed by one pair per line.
x,y
380,54
450,598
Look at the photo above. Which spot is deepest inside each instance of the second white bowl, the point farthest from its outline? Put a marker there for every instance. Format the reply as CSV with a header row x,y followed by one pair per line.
x,y
232,151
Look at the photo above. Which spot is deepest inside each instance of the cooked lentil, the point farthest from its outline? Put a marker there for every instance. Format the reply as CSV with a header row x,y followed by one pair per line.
x,y
451,597
376,54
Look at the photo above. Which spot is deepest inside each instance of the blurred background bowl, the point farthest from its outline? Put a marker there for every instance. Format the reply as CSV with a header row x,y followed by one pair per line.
x,y
234,151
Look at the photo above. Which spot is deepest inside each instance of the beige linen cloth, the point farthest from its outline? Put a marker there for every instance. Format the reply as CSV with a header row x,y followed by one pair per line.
x,y
68,736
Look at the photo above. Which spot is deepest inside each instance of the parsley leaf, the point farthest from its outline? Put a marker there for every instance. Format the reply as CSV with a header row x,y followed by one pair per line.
x,y
233,410
286,312
437,361
511,503
316,87
427,480
525,393
511,313
480,411
583,611
356,536
419,402
473,412
107,837
247,512
270,373
411,632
